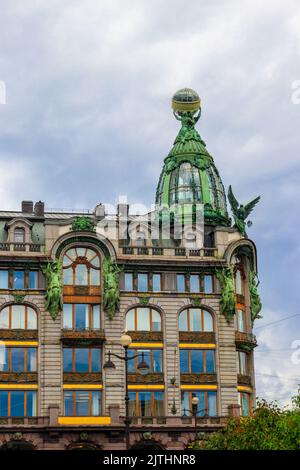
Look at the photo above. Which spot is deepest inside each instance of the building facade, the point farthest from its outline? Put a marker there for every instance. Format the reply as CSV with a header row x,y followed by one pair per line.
x,y
71,283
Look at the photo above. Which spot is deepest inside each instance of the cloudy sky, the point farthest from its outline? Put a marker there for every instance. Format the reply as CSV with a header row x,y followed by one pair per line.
x,y
87,117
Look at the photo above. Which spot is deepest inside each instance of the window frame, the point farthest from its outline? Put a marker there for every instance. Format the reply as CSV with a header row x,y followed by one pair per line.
x,y
25,392
190,395
137,401
204,360
90,369
90,404
137,359
90,317
82,260
25,359
10,308
239,362
151,309
187,309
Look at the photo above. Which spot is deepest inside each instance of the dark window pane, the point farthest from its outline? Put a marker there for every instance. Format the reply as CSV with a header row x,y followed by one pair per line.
x,y
82,403
96,360
128,281
16,403
81,316
31,360
210,362
208,284
33,280
3,279
157,360
3,358
3,403
31,403
194,283
68,403
96,403
156,282
145,408
197,361
159,404
132,403
184,361
82,360
212,403
18,279
142,282
67,360
180,283
17,359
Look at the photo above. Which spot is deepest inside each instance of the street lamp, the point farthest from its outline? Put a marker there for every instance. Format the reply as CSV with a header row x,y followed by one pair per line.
x,y
142,367
194,411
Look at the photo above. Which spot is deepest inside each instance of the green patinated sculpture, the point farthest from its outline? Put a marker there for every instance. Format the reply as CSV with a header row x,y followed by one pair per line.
x,y
53,273
255,302
227,302
83,224
111,300
240,212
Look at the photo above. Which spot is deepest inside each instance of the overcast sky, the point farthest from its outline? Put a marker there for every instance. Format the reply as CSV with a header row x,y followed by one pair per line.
x,y
87,117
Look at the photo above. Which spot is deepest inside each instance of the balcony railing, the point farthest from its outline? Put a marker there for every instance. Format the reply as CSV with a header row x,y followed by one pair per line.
x,y
160,251
22,247
82,336
245,341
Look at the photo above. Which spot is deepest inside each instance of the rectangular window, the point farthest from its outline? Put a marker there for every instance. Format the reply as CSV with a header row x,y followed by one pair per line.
x,y
31,403
207,405
180,282
12,403
142,282
82,403
197,361
208,284
3,279
241,360
194,283
19,235
153,358
240,321
33,280
156,282
18,282
129,281
81,316
82,359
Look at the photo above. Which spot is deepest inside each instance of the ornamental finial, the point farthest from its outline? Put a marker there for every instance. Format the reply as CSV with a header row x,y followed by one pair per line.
x,y
185,104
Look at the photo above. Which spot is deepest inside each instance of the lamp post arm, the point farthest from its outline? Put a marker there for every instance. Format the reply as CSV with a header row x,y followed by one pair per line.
x,y
124,358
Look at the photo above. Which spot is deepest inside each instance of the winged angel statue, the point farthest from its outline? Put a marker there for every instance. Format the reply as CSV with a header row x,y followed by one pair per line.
x,y
240,212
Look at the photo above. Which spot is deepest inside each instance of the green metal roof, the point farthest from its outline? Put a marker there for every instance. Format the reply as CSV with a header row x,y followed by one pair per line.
x,y
189,175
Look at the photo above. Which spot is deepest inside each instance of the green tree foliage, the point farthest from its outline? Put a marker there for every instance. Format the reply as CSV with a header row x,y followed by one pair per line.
x,y
269,428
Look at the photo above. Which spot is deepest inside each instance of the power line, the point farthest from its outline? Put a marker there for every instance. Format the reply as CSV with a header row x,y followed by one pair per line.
x,y
277,321
279,377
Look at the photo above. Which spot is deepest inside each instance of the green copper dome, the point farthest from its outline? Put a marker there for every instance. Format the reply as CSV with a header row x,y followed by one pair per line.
x,y
189,175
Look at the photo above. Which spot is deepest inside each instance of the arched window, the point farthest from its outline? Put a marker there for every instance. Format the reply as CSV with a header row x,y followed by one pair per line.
x,y
81,267
143,319
18,317
196,319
